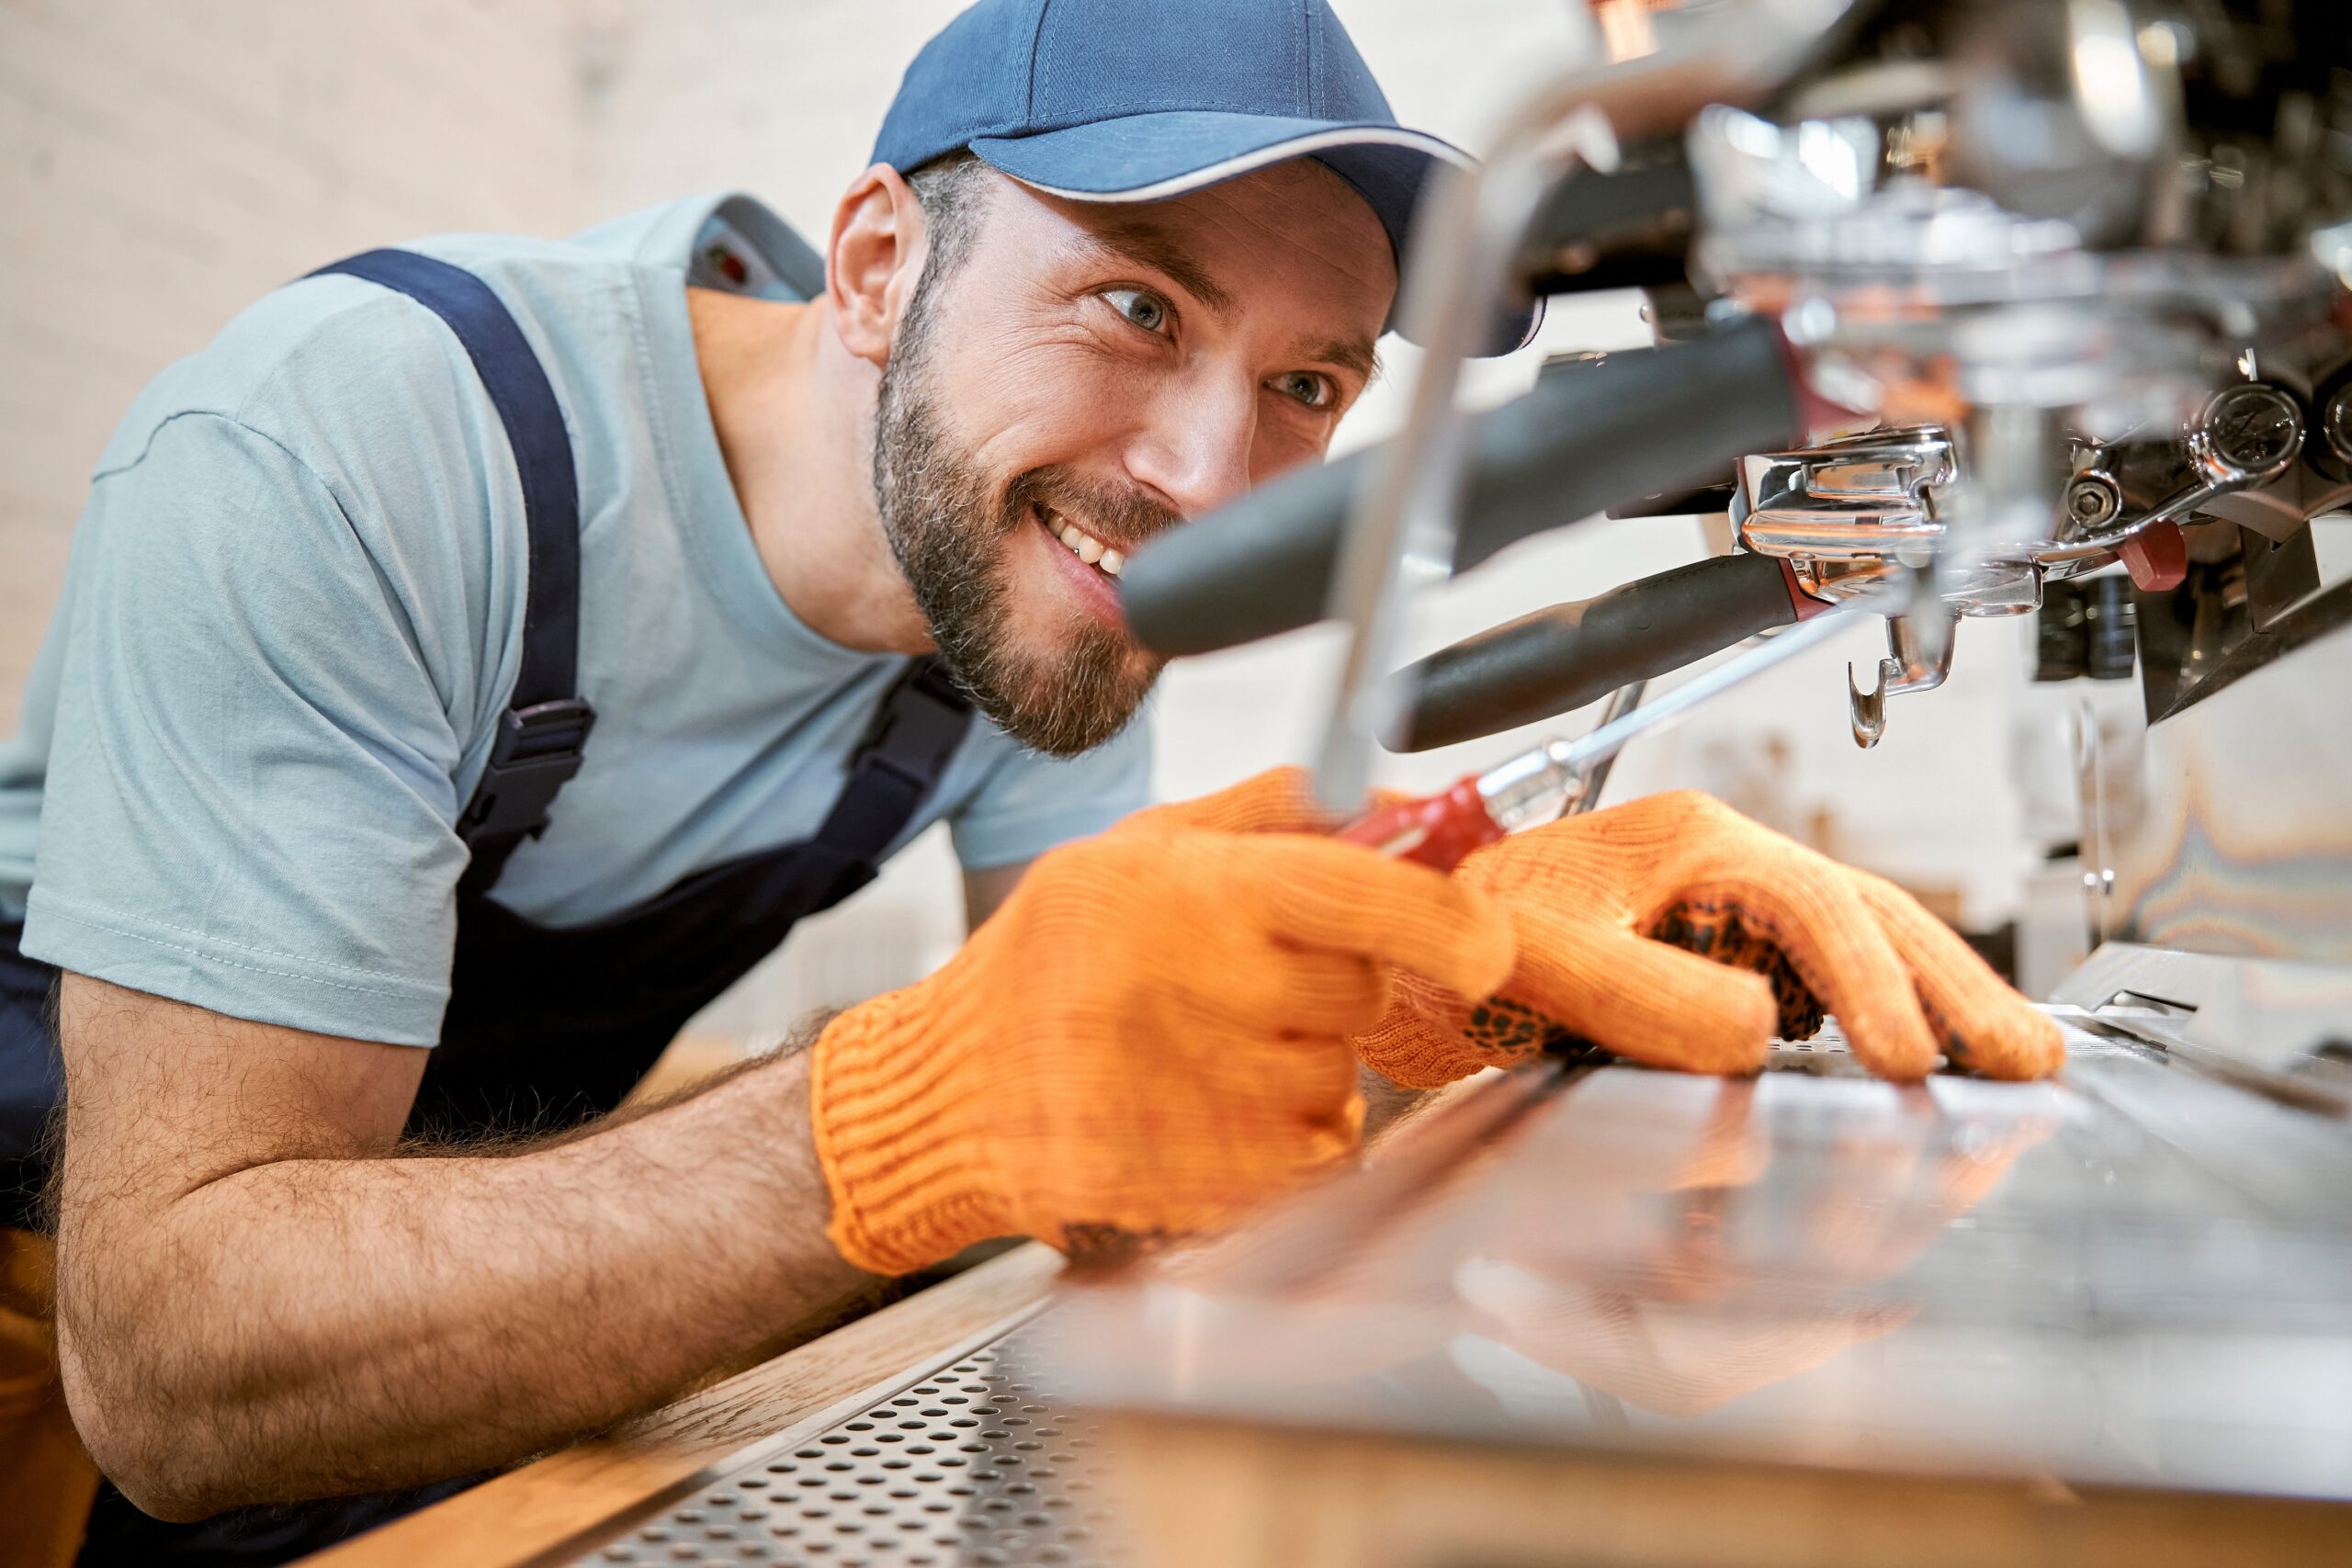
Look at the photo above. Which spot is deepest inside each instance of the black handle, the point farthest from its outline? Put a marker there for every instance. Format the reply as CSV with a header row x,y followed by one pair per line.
x,y
1620,425
1628,228
1564,657
1699,500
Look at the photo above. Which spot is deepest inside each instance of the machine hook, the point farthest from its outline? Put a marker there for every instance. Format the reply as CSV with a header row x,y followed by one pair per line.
x,y
1868,709
1919,657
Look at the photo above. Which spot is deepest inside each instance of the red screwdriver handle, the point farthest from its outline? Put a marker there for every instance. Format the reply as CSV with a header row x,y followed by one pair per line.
x,y
1436,830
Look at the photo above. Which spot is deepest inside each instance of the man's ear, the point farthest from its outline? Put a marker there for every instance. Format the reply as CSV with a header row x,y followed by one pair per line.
x,y
873,261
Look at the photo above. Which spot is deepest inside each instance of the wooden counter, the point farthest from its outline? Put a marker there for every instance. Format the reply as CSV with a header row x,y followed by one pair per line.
x,y
566,1498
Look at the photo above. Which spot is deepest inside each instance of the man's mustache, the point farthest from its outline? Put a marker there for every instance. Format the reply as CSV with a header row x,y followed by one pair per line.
x,y
1116,513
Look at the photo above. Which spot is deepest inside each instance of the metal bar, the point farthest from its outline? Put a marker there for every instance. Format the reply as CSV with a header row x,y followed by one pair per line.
x,y
1622,701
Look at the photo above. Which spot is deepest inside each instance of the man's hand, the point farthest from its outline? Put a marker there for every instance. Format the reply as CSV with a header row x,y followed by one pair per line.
x,y
262,1297
1602,902
1674,932
1150,1035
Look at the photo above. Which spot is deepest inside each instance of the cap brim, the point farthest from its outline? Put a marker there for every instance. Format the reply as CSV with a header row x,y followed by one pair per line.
x,y
1153,157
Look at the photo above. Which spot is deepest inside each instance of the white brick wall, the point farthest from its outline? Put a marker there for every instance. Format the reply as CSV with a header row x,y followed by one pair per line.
x,y
163,161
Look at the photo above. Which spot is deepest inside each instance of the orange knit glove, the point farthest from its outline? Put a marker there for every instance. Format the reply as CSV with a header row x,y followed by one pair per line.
x,y
1148,1036
1280,800
1674,932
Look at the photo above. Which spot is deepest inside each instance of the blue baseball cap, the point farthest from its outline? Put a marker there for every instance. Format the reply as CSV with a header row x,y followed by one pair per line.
x,y
1140,100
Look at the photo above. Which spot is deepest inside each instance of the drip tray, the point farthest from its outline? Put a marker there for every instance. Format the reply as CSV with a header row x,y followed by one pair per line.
x,y
967,1464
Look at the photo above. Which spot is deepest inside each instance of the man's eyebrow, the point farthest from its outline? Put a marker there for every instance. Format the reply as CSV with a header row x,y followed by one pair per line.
x,y
1141,241
1349,354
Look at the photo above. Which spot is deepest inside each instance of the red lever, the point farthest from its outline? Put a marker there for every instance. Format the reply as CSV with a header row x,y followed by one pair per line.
x,y
1436,830
1805,605
2156,558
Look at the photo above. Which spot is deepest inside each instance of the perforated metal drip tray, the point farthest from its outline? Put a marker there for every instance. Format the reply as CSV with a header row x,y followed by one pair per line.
x,y
967,1464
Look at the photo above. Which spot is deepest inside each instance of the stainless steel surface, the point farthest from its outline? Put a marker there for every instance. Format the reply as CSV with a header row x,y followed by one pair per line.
x,y
1965,241
2248,435
1861,497
2228,829
2130,1277
964,1464
2336,422
1841,511
2281,1027
2133,1276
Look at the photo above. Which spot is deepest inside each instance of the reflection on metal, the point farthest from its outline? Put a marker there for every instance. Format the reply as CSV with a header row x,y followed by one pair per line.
x,y
2248,435
2097,856
2133,1276
2336,422
1850,513
1864,497
2231,832
2281,1028
2237,613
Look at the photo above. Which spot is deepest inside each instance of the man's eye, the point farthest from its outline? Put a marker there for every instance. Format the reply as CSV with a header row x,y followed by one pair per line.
x,y
1306,386
1146,310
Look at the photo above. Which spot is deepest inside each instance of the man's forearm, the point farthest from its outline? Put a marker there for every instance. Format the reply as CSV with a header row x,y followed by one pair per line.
x,y
319,1326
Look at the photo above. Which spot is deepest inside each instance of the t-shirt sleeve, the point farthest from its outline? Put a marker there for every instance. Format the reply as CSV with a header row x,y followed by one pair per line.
x,y
250,800
1030,803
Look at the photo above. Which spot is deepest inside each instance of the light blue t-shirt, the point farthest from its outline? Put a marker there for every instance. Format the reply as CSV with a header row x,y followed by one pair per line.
x,y
293,614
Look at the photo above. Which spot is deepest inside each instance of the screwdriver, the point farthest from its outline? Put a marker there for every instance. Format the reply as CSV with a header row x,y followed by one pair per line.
x,y
1545,783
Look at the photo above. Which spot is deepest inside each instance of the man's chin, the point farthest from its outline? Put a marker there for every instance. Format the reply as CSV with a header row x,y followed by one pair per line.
x,y
1072,707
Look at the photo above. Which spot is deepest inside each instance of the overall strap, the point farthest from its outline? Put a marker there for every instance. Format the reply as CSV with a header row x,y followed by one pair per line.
x,y
541,734
922,719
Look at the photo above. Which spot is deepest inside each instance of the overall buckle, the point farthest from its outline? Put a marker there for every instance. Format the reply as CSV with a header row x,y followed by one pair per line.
x,y
917,727
537,750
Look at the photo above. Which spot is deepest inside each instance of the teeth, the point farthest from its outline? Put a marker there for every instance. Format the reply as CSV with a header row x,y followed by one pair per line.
x,y
1083,545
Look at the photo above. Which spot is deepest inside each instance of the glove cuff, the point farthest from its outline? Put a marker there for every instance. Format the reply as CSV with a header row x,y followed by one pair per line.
x,y
909,1185
1413,1053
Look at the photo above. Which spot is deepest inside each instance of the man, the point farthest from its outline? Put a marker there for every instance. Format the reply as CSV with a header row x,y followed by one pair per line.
x,y
495,646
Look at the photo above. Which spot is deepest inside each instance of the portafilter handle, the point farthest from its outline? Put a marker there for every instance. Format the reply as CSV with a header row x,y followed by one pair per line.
x,y
1613,428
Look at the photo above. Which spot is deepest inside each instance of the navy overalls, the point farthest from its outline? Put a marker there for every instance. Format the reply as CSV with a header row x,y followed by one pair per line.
x,y
545,1026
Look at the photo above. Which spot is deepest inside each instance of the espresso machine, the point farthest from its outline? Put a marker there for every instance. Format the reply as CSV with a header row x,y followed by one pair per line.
x,y
1964,308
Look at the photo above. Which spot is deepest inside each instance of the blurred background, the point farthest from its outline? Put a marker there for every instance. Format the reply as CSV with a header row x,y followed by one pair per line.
x,y
162,163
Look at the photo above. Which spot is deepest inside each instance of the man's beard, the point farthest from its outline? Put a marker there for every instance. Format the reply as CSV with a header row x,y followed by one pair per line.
x,y
952,544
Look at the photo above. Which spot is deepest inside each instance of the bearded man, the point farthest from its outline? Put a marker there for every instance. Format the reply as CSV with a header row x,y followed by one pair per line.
x,y
486,650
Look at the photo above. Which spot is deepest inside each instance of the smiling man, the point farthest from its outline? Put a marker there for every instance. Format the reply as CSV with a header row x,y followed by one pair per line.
x,y
485,651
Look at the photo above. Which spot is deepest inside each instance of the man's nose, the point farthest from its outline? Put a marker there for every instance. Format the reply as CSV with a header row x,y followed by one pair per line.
x,y
1197,445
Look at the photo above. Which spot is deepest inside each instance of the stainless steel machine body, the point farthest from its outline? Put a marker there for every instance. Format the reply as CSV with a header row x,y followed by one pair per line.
x,y
2133,1277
